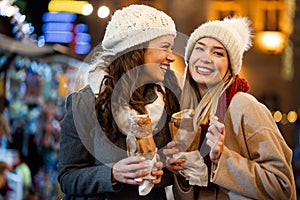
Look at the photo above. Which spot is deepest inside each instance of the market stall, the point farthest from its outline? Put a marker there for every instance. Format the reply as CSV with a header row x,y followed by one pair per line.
x,y
34,82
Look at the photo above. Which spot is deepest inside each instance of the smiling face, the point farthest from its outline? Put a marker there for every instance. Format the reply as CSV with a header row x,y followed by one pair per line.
x,y
208,63
157,58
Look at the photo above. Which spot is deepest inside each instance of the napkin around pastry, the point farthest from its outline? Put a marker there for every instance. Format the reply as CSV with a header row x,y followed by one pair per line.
x,y
196,171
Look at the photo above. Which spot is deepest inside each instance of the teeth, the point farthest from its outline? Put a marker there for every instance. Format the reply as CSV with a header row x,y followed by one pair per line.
x,y
164,67
203,69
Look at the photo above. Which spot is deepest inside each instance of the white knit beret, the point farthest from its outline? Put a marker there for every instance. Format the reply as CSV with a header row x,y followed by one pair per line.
x,y
135,25
234,33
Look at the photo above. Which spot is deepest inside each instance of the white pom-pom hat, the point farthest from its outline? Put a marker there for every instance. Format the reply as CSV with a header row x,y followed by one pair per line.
x,y
135,25
235,34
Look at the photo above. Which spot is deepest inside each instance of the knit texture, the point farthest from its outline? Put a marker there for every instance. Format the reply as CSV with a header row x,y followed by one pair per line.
x,y
234,34
135,25
238,85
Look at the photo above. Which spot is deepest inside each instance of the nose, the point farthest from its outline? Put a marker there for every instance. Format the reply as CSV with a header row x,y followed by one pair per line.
x,y
206,58
170,57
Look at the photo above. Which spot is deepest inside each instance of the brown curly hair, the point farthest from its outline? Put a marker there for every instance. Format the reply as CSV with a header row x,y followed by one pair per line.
x,y
128,90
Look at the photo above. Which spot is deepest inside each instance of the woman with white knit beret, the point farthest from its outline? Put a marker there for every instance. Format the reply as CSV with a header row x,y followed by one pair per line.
x,y
129,77
241,146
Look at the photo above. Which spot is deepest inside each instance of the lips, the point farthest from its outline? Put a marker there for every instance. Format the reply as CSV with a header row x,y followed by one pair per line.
x,y
204,70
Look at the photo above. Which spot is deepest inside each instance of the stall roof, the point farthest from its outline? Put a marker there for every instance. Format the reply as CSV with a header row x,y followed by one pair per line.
x,y
22,48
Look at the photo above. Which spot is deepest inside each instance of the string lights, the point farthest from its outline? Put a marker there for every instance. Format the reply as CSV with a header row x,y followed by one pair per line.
x,y
285,118
22,30
59,23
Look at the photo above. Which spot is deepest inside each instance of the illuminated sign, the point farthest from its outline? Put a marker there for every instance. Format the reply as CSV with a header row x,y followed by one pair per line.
x,y
59,26
79,7
53,26
58,37
59,17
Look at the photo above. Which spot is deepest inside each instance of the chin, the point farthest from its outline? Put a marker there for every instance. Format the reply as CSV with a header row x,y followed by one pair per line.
x,y
162,79
159,79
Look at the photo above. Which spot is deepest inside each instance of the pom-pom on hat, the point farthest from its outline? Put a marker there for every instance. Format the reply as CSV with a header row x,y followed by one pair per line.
x,y
234,33
135,25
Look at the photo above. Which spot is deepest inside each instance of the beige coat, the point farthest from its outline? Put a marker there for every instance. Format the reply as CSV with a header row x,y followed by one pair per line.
x,y
256,161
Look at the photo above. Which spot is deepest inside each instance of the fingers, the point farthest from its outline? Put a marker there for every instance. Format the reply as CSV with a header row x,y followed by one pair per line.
x,y
170,152
215,139
133,178
214,132
133,169
175,161
171,149
132,163
157,157
175,164
133,181
158,174
158,165
157,171
175,168
134,175
136,178
215,125
216,147
133,159
157,180
128,169
171,144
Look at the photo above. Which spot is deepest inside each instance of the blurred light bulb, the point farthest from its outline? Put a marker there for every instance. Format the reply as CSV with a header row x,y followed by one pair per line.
x,y
292,116
277,116
87,9
10,11
103,12
21,19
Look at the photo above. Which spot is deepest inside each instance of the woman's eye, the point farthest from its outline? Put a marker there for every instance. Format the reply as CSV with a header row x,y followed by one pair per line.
x,y
166,47
219,53
199,48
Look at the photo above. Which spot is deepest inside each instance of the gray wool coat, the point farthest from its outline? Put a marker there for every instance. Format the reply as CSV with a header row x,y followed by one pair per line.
x,y
86,155
255,162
